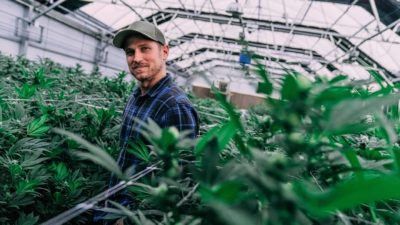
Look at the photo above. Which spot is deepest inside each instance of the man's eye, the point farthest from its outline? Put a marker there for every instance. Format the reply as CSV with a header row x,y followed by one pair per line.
x,y
145,48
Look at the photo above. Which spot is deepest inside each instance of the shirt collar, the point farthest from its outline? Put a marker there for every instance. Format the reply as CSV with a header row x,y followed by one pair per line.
x,y
153,91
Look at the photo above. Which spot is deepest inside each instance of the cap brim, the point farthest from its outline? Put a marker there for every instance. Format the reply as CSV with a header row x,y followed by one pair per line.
x,y
120,37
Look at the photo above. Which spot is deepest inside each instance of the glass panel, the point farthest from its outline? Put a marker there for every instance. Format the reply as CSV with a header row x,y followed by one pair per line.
x,y
316,26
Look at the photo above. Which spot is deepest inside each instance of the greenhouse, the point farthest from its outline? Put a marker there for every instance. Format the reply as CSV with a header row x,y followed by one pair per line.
x,y
206,112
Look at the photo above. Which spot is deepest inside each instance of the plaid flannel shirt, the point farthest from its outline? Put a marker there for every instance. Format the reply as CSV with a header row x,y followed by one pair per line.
x,y
167,105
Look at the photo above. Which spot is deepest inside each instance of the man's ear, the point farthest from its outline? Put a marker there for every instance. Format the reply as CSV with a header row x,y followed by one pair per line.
x,y
165,51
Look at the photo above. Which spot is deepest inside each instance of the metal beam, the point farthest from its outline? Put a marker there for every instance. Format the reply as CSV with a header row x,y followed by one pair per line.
x,y
375,13
25,31
81,16
59,2
234,53
356,47
236,64
337,20
181,40
262,23
133,10
389,10
316,56
275,26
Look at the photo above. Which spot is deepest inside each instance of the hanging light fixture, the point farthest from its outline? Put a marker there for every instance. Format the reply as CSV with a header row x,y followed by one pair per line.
x,y
235,9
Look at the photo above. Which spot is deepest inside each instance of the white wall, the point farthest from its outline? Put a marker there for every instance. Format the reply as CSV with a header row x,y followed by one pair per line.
x,y
236,81
235,78
61,43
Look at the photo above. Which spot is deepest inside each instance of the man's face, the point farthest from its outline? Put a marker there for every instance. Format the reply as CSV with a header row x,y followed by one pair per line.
x,y
145,58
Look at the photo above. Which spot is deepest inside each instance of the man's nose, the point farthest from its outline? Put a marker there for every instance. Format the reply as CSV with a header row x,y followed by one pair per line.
x,y
137,57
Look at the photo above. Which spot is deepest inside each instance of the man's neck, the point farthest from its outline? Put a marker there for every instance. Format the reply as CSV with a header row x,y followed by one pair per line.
x,y
147,84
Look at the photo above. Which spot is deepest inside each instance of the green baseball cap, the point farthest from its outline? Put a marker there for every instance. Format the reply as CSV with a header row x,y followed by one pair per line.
x,y
139,27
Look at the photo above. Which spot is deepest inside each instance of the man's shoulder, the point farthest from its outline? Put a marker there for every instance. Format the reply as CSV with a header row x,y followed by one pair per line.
x,y
173,95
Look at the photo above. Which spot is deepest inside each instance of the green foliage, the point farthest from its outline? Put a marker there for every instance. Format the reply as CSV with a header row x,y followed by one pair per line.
x,y
95,154
26,91
265,86
351,193
323,152
140,150
29,219
37,128
41,173
316,152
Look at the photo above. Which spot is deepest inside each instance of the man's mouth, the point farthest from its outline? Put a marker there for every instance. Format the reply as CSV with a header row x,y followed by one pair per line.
x,y
138,67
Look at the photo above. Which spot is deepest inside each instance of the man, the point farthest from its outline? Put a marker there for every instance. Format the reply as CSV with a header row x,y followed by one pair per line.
x,y
156,96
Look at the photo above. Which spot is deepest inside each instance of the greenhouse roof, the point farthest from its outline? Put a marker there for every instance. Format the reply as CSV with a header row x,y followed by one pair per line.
x,y
325,37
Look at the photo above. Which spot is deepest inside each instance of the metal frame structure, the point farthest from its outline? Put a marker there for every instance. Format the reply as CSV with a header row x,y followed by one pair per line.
x,y
339,40
349,45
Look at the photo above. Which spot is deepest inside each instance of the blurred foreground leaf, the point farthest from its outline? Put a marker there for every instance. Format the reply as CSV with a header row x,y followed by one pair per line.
x,y
349,194
95,153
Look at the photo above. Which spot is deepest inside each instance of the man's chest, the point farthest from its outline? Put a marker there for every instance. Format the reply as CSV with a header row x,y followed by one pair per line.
x,y
141,110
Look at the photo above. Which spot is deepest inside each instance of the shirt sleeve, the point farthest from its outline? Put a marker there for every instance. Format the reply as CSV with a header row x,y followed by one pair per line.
x,y
183,117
